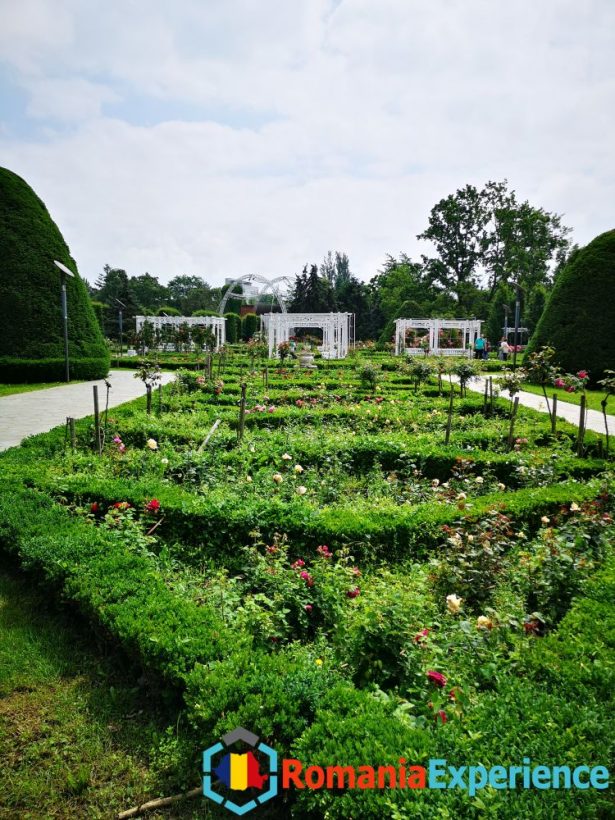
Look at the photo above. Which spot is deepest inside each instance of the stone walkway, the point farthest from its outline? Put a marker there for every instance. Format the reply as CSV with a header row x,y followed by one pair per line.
x,y
26,414
565,410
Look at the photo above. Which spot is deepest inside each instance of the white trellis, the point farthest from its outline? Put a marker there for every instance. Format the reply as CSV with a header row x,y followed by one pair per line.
x,y
215,323
469,331
336,331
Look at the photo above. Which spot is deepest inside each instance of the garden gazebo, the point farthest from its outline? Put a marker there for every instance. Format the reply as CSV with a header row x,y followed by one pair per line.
x,y
440,337
337,330
215,323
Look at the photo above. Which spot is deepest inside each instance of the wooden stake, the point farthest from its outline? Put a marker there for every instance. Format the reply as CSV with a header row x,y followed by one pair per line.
x,y
148,389
73,435
513,416
554,415
449,421
159,399
96,421
242,412
581,434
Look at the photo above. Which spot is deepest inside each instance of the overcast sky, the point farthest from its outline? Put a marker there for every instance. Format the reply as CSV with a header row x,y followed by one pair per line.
x,y
224,137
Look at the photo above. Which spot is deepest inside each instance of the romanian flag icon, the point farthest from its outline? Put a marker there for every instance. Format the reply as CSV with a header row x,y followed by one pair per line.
x,y
240,772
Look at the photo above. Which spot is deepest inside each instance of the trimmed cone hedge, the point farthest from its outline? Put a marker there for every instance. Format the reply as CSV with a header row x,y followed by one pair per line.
x,y
579,318
31,328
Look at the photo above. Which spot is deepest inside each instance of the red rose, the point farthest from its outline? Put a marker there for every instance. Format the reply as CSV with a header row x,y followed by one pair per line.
x,y
153,505
94,508
437,678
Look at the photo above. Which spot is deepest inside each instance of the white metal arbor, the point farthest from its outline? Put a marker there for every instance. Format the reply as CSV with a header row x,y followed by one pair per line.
x,y
274,285
215,323
337,330
468,332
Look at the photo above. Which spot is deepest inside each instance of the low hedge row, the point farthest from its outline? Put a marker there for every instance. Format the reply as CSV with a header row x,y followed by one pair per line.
x,y
120,590
220,524
25,371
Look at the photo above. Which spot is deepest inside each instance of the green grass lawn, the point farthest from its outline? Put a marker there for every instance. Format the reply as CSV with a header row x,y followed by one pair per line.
x,y
10,389
594,397
76,734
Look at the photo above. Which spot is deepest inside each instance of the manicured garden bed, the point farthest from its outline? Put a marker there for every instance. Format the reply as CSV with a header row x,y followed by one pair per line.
x,y
339,579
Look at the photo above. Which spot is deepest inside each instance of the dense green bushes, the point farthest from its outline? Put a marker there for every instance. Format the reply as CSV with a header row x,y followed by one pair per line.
x,y
579,318
31,325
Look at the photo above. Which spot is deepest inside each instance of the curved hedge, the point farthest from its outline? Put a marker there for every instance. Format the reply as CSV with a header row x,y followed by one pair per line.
x,y
579,318
31,328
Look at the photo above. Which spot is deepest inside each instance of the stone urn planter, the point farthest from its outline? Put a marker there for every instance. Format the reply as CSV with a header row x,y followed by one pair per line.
x,y
306,360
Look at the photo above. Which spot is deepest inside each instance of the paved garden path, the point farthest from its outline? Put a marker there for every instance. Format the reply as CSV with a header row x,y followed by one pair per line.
x,y
565,410
25,414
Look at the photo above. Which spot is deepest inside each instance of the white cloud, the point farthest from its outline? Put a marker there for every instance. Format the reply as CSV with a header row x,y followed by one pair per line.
x,y
281,130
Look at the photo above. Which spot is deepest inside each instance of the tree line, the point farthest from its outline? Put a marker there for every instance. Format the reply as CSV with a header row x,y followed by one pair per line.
x,y
485,247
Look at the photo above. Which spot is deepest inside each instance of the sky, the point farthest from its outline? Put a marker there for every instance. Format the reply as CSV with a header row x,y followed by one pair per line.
x,y
224,137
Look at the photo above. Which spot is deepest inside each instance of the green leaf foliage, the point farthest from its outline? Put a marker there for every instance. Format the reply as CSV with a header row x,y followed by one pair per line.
x,y
579,318
31,326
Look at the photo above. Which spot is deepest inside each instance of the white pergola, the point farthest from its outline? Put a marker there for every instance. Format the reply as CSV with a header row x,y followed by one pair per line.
x,y
469,330
215,323
337,331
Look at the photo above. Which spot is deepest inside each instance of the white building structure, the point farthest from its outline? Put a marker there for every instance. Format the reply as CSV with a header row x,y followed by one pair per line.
x,y
436,339
337,331
215,323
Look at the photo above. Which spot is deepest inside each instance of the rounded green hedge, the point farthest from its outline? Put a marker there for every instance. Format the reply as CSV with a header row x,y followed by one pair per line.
x,y
31,327
579,319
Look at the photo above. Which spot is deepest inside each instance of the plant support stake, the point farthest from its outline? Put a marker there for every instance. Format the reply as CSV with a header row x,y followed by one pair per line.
x,y
242,412
450,419
581,435
97,434
513,417
554,415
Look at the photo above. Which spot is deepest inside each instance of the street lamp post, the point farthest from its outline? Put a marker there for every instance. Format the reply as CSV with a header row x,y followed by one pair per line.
x,y
64,273
517,317
120,309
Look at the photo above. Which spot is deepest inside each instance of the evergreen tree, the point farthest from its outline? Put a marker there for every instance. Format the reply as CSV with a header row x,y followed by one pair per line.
x,y
496,318
31,322
579,317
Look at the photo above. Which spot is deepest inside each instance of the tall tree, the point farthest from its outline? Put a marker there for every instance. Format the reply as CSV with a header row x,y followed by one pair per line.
x,y
149,293
312,293
113,285
190,293
456,229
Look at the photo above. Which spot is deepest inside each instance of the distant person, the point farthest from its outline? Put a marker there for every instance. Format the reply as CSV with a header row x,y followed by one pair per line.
x,y
504,349
479,348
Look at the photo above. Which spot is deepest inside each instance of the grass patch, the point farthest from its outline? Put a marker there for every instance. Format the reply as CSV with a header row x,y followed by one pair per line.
x,y
594,397
78,727
11,389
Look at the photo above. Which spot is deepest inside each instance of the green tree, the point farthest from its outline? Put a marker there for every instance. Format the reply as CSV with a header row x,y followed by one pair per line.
x,y
113,286
233,327
249,326
456,229
190,293
536,303
148,292
579,317
31,323
312,293
503,297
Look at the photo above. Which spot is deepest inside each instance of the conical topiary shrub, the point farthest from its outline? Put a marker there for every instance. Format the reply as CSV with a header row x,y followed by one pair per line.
x,y
579,319
31,325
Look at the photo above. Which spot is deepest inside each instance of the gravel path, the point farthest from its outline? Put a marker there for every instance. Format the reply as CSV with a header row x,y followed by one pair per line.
x,y
26,414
